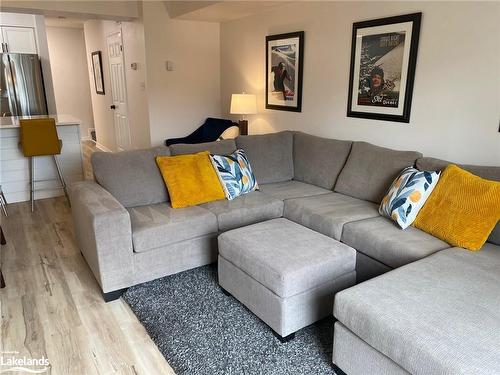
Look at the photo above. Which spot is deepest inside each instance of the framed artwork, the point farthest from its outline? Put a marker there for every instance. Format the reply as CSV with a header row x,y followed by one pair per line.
x,y
383,60
97,69
284,61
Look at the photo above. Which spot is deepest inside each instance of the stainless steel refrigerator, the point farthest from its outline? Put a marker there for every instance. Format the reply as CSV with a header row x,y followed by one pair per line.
x,y
22,91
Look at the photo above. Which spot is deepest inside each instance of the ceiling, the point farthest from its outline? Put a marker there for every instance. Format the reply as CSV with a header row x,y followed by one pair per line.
x,y
207,11
74,23
118,10
217,11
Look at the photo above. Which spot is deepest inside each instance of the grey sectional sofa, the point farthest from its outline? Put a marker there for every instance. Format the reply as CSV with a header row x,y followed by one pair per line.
x,y
129,234
439,315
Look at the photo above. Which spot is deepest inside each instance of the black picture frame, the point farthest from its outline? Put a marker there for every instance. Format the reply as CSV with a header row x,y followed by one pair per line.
x,y
98,72
375,103
272,94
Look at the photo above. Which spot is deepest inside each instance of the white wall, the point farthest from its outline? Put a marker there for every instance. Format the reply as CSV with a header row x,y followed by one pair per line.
x,y
43,54
456,98
133,47
103,115
70,75
180,100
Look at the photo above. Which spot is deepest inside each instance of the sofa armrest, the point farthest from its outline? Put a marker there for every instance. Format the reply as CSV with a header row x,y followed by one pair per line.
x,y
104,234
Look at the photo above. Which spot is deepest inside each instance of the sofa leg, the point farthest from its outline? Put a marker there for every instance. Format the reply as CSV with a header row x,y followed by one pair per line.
x,y
285,339
225,292
338,370
114,295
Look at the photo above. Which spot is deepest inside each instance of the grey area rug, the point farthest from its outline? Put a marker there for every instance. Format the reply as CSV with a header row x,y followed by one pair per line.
x,y
200,330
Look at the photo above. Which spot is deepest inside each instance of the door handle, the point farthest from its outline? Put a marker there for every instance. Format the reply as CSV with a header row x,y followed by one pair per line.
x,y
6,47
113,106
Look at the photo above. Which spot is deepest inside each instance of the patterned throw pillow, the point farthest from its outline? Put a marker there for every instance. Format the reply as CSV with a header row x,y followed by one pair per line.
x,y
407,195
235,174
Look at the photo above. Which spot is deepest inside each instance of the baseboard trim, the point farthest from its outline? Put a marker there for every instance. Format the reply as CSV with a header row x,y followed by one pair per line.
x,y
102,148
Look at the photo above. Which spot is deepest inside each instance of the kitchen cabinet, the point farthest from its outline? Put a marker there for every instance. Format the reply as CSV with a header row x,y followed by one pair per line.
x,y
17,39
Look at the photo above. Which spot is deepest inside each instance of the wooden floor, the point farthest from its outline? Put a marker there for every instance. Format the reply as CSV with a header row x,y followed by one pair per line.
x,y
52,304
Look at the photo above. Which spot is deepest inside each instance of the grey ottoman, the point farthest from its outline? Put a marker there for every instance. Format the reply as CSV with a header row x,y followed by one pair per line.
x,y
285,273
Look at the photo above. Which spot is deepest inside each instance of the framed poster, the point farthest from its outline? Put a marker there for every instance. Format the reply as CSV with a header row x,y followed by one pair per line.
x,y
97,69
284,60
383,60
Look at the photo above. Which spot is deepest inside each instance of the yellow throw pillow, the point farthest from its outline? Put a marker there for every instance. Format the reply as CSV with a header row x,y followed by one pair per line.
x,y
190,179
462,210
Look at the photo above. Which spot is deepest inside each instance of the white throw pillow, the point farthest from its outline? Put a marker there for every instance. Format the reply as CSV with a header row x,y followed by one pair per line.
x,y
230,133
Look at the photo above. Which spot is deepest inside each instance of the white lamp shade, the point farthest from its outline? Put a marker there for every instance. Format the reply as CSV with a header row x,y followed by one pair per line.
x,y
243,104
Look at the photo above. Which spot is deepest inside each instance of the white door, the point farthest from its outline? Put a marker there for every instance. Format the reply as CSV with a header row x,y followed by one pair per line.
x,y
118,90
18,39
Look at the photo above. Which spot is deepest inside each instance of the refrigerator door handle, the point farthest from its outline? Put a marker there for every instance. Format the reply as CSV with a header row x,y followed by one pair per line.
x,y
11,90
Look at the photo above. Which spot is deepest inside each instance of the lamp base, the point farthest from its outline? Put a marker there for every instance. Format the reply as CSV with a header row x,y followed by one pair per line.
x,y
243,125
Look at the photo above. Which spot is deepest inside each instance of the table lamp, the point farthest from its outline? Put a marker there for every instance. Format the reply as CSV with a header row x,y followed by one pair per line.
x,y
243,104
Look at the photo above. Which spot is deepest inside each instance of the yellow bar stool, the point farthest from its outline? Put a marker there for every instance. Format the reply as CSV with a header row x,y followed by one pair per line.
x,y
39,138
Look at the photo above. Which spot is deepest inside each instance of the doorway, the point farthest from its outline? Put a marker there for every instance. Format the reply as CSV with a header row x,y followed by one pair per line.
x,y
114,44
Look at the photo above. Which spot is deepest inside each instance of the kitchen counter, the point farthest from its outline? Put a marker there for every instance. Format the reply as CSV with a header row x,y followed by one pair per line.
x,y
14,167
61,120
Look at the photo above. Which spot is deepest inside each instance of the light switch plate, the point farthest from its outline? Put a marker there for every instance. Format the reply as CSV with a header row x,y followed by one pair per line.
x,y
170,66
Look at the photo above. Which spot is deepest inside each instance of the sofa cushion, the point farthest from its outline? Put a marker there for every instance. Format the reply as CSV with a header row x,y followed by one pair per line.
x,y
160,225
370,170
317,160
328,213
291,189
224,147
270,155
244,210
382,240
263,251
489,173
132,177
367,268
495,235
438,315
